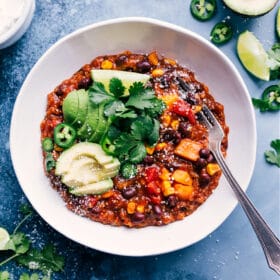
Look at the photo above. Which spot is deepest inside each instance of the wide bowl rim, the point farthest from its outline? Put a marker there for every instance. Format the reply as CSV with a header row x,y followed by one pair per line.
x,y
162,24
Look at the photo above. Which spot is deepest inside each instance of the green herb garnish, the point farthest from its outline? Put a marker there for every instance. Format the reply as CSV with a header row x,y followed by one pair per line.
x,y
271,156
133,116
274,61
46,260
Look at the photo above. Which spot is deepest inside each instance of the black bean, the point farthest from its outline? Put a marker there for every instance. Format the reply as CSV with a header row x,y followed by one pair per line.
x,y
149,160
84,83
143,66
204,153
121,60
185,129
210,158
172,201
157,210
172,135
138,217
201,163
204,179
129,192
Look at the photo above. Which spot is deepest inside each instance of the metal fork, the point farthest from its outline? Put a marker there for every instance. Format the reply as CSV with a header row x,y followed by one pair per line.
x,y
269,242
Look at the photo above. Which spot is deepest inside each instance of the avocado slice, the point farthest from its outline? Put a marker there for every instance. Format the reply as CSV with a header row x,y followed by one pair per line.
x,y
78,151
101,127
90,123
94,188
70,107
82,109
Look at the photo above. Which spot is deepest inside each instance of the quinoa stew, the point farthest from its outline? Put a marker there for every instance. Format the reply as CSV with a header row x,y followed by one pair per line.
x,y
149,163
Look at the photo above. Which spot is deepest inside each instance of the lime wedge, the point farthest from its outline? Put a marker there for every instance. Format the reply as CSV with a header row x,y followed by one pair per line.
x,y
4,238
127,78
278,23
252,55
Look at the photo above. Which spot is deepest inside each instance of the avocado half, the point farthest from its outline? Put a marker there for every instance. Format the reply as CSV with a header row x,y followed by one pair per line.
x,y
251,7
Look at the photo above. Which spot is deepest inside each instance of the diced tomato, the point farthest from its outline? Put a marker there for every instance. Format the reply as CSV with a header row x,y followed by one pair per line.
x,y
155,199
151,174
183,108
153,188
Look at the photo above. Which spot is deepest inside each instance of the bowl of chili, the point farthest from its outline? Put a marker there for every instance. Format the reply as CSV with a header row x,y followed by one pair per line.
x,y
90,44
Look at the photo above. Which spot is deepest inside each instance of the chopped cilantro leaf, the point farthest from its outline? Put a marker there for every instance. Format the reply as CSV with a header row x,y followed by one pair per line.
x,y
271,156
129,148
140,97
274,61
25,276
45,260
4,275
116,87
19,243
114,108
98,94
158,106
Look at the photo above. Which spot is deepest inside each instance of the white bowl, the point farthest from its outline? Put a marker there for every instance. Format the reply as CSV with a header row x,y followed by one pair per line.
x,y
138,35
20,26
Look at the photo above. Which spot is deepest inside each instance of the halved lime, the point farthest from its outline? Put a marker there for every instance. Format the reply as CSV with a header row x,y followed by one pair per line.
x,y
252,55
278,23
127,78
4,238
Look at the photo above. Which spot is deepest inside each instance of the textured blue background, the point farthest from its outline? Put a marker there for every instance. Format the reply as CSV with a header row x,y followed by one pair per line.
x,y
232,251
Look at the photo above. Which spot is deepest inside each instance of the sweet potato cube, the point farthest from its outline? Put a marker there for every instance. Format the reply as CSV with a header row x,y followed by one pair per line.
x,y
167,188
182,177
188,149
184,192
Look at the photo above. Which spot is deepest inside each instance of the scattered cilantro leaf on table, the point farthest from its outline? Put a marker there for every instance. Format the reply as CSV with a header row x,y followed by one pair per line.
x,y
45,260
274,61
4,275
33,276
271,156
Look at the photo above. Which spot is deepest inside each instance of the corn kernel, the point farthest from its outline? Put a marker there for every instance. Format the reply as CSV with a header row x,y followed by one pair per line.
x,y
170,61
182,177
106,64
150,150
197,109
157,72
166,120
140,208
164,174
131,206
57,148
175,124
212,168
184,192
169,99
160,146
167,188
153,58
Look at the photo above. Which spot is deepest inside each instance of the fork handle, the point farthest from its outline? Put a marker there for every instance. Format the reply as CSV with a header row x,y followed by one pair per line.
x,y
269,242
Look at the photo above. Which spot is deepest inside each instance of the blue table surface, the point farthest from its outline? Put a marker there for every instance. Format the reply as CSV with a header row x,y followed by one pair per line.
x,y
230,252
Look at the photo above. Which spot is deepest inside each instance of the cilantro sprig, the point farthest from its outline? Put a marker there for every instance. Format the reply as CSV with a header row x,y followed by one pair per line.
x,y
274,61
135,117
273,157
45,261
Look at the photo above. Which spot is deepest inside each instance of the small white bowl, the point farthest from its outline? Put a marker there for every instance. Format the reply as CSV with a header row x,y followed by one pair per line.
x,y
138,35
16,31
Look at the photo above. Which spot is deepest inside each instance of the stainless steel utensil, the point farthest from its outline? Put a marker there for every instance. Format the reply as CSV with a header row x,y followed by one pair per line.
x,y
269,242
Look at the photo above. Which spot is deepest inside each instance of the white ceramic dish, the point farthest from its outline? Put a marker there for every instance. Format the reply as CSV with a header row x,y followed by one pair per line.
x,y
137,35
20,26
